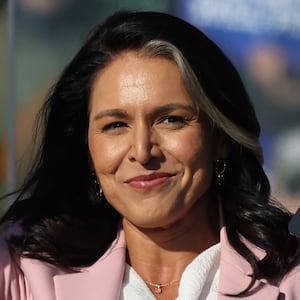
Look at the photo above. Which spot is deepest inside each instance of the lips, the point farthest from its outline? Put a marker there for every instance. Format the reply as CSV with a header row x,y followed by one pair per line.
x,y
148,181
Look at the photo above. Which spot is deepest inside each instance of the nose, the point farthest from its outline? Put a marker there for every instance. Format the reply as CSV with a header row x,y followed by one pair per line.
x,y
144,145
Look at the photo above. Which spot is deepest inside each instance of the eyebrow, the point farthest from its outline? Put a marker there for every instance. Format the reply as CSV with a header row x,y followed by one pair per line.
x,y
173,106
121,113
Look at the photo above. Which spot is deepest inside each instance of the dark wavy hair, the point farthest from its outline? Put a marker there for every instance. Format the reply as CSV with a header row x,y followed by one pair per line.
x,y
63,221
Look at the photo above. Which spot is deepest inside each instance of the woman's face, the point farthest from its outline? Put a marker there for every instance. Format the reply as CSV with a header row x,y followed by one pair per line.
x,y
152,151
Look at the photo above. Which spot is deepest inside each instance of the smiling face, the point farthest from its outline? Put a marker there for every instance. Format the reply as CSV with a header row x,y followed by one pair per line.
x,y
152,151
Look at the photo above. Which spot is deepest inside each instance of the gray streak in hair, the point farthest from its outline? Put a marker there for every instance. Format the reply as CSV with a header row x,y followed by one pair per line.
x,y
196,92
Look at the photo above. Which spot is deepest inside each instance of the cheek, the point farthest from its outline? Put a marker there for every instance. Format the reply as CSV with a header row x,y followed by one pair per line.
x,y
106,156
191,150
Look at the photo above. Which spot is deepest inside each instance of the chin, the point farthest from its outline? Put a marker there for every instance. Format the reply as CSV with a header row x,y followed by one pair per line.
x,y
154,222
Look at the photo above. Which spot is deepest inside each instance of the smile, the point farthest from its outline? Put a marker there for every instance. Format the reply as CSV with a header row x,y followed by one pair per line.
x,y
148,181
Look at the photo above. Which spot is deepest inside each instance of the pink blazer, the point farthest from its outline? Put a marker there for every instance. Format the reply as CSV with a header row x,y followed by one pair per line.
x,y
28,279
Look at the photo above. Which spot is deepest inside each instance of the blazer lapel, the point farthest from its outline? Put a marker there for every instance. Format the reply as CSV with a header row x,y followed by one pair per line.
x,y
235,274
103,280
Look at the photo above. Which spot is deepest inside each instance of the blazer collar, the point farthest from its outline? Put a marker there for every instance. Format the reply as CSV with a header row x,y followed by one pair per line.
x,y
235,273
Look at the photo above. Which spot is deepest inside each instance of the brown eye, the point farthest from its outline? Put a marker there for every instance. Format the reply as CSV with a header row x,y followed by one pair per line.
x,y
173,119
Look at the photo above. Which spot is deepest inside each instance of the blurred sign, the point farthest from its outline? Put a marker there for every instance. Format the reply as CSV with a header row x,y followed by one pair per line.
x,y
237,25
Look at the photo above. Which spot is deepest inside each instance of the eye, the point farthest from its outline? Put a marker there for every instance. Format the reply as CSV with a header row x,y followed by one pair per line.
x,y
114,126
172,122
173,119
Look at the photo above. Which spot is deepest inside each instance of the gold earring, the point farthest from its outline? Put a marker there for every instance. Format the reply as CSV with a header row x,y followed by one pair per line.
x,y
220,168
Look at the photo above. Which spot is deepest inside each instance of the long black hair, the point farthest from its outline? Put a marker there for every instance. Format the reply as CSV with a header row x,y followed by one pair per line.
x,y
65,223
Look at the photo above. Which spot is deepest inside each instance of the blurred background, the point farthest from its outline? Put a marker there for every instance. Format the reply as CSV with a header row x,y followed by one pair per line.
x,y
262,38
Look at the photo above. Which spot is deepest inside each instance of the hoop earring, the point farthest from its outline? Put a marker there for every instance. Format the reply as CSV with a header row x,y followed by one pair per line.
x,y
220,168
98,188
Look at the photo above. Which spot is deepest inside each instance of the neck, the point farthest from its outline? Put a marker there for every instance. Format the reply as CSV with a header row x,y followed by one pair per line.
x,y
160,255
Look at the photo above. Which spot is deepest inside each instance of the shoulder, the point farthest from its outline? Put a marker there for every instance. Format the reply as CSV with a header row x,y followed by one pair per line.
x,y
235,272
289,285
5,257
8,263
11,277
24,278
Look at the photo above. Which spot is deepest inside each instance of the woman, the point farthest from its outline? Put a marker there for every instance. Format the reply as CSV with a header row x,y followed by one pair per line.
x,y
149,181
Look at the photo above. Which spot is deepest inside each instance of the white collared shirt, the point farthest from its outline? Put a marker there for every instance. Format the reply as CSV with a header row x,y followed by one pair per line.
x,y
199,281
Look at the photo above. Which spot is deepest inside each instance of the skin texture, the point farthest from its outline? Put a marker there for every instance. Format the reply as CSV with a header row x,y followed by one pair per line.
x,y
154,155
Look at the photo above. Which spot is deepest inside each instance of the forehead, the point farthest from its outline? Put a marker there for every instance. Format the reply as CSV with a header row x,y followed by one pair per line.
x,y
132,74
136,63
